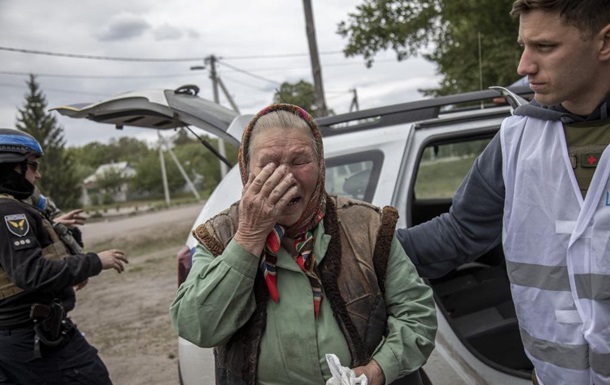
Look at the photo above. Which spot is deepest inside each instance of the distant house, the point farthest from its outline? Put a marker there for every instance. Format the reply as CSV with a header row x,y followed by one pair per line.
x,y
108,184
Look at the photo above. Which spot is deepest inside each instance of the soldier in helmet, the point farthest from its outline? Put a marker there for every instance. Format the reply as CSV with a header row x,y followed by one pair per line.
x,y
38,270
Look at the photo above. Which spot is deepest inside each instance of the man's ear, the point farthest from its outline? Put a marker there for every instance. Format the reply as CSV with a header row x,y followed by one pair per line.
x,y
604,43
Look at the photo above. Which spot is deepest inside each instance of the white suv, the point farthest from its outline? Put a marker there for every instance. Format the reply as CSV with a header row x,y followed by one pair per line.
x,y
412,156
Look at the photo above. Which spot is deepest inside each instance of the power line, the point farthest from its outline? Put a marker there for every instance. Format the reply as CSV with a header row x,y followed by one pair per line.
x,y
243,83
249,73
57,90
150,60
292,68
94,57
75,92
339,92
161,76
277,55
95,76
333,97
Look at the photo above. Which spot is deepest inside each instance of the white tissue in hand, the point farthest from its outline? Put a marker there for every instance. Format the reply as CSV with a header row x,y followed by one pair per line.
x,y
341,374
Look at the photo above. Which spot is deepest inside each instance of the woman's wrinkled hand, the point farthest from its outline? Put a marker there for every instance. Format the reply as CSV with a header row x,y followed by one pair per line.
x,y
264,198
372,371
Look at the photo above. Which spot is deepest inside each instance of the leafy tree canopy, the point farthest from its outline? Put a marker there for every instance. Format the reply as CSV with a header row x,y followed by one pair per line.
x,y
149,177
59,179
126,149
182,137
112,180
195,160
446,32
302,94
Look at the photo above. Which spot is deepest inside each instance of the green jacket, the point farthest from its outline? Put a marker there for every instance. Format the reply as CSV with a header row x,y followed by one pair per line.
x,y
218,302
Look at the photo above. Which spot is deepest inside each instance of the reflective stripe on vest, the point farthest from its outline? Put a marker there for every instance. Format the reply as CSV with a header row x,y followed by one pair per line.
x,y
558,253
588,286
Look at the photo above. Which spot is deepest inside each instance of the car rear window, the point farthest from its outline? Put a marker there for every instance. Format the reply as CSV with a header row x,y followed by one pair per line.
x,y
354,175
444,166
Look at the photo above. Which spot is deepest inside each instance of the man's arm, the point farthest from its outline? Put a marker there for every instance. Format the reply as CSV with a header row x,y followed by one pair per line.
x,y
472,226
21,254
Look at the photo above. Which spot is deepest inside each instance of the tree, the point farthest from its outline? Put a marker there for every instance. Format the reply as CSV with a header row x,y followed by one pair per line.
x,y
182,137
91,154
59,181
446,32
301,94
198,160
149,179
112,180
125,149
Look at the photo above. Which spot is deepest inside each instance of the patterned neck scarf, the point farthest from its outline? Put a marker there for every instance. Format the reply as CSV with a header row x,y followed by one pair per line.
x,y
302,230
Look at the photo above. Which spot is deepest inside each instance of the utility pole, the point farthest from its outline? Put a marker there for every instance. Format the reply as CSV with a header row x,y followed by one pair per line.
x,y
216,82
354,105
315,60
211,60
168,147
226,92
163,143
163,172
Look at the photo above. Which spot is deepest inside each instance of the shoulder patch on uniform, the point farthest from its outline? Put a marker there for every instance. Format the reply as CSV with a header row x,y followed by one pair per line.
x,y
17,224
23,243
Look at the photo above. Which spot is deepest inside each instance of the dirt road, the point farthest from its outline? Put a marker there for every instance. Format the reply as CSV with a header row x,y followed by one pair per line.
x,y
125,316
94,232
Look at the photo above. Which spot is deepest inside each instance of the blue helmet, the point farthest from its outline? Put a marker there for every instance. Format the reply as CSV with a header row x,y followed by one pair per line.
x,y
16,146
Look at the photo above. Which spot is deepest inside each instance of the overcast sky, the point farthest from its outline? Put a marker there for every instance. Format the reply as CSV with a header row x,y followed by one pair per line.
x,y
260,44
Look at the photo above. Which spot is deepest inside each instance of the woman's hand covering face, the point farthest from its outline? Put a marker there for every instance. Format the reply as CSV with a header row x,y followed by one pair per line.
x,y
264,198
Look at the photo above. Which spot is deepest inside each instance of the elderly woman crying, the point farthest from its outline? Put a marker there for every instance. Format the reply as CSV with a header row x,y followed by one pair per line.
x,y
289,273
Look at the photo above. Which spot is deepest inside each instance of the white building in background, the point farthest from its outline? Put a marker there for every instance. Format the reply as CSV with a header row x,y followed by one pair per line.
x,y
95,189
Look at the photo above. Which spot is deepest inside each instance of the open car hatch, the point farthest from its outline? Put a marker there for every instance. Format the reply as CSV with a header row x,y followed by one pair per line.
x,y
158,109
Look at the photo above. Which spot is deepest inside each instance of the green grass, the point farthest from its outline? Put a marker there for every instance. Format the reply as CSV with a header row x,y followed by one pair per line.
x,y
98,211
441,179
159,238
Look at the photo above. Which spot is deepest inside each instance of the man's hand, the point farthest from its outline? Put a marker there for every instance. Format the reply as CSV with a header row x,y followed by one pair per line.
x,y
372,371
113,259
73,218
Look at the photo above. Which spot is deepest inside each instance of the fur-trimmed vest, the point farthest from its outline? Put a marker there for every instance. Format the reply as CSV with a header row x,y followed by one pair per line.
x,y
352,273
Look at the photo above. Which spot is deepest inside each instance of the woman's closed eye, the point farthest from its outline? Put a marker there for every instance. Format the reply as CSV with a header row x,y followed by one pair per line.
x,y
301,161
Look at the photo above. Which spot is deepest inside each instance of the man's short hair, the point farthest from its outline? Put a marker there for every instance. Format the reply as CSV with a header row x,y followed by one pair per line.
x,y
589,16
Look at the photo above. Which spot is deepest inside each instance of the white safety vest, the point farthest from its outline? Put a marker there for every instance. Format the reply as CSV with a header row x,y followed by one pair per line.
x,y
557,249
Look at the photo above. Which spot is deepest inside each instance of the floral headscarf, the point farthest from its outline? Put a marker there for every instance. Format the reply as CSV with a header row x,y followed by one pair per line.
x,y
302,230
318,198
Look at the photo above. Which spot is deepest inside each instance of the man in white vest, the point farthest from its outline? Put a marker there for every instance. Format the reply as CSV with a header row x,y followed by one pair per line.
x,y
542,188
